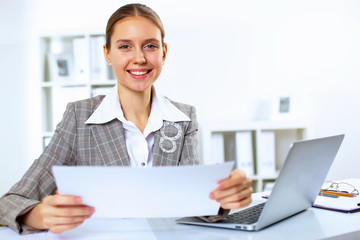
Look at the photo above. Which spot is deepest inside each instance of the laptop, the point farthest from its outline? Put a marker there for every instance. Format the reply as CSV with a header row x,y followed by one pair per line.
x,y
295,189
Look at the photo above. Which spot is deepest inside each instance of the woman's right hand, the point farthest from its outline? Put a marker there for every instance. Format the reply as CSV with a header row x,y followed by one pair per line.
x,y
58,213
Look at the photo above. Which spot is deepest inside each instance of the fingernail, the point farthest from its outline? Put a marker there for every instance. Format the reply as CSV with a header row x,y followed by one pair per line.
x,y
92,210
219,185
212,195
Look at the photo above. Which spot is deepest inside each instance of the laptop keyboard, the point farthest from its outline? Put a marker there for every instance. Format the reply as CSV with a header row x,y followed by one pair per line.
x,y
247,216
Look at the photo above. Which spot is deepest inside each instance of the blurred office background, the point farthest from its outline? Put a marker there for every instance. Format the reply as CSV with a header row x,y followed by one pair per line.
x,y
231,59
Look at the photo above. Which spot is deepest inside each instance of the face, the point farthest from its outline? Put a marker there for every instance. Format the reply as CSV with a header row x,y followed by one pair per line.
x,y
136,53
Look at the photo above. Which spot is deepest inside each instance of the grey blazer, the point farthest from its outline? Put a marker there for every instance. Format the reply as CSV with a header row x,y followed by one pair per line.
x,y
77,143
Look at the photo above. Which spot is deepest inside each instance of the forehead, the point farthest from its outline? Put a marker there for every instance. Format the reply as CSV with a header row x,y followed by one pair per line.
x,y
132,28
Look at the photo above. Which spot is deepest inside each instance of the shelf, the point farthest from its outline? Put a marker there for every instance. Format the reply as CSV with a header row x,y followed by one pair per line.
x,y
103,83
78,83
71,33
47,134
233,125
73,68
63,84
266,177
257,147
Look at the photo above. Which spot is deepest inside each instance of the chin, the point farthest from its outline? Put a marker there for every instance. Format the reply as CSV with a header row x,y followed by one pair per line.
x,y
136,86
141,88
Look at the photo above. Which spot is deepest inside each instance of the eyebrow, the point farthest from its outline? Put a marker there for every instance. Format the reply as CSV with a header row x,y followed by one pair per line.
x,y
129,41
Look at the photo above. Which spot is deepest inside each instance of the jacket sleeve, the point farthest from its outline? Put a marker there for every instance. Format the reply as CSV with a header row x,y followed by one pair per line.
x,y
189,154
38,181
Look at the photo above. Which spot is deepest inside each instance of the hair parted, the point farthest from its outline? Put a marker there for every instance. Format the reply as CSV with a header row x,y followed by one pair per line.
x,y
132,10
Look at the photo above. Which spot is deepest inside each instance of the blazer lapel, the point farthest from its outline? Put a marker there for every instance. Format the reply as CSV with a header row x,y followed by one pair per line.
x,y
157,154
167,149
110,140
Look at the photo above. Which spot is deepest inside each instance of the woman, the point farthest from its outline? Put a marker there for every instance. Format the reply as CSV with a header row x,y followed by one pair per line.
x,y
131,126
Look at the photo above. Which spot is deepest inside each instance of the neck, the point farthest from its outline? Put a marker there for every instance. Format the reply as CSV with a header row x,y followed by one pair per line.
x,y
136,106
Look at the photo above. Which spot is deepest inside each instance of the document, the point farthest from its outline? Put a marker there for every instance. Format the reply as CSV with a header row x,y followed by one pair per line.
x,y
125,192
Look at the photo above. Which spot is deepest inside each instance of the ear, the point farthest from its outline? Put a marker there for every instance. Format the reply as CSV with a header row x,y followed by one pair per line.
x,y
164,52
107,55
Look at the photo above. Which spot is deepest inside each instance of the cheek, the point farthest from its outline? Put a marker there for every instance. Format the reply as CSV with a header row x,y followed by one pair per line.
x,y
120,62
118,67
155,60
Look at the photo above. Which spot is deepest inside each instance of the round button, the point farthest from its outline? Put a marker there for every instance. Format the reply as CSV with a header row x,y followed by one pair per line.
x,y
143,164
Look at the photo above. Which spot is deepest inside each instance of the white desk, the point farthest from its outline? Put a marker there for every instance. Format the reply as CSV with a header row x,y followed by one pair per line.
x,y
311,224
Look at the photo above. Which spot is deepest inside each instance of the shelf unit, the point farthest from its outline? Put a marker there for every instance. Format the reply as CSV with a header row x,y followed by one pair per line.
x,y
284,133
73,68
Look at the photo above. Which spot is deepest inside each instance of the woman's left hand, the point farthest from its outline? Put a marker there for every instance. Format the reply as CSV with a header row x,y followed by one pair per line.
x,y
233,192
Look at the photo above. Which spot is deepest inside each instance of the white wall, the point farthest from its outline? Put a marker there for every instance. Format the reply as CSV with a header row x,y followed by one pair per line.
x,y
18,108
224,57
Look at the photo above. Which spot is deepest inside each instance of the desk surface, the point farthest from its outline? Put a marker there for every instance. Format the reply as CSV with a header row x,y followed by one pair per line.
x,y
311,224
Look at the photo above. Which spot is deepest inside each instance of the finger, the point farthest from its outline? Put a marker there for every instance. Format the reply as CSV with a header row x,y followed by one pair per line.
x,y
220,194
54,221
238,204
57,229
236,177
225,192
62,200
50,217
238,196
76,211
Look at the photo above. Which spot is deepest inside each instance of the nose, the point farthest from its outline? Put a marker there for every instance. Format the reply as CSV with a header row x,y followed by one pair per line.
x,y
139,57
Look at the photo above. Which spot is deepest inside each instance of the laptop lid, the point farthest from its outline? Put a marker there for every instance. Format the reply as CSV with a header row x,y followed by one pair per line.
x,y
297,185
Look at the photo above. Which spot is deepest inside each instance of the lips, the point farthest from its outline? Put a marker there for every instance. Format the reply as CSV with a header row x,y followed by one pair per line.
x,y
139,73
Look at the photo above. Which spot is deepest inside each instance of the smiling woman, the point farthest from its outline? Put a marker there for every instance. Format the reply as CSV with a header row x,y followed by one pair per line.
x,y
133,125
136,53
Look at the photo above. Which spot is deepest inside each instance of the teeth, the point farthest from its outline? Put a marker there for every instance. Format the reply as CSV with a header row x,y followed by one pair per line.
x,y
138,73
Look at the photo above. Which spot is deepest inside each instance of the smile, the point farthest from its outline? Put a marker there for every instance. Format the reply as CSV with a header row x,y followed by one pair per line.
x,y
138,72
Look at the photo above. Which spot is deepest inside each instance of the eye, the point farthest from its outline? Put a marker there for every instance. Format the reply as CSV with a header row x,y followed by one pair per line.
x,y
125,47
151,46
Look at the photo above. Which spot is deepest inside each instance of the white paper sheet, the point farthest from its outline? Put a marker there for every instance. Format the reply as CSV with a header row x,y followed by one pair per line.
x,y
125,192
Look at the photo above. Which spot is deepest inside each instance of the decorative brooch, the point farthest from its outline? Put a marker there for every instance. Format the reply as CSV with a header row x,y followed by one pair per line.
x,y
165,140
